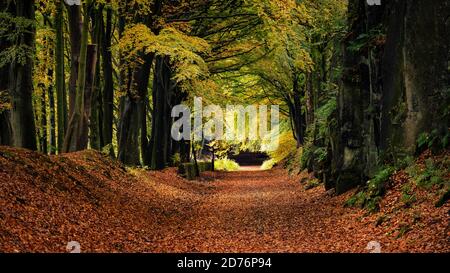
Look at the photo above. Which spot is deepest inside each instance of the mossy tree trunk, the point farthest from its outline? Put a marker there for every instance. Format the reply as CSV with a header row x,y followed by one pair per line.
x,y
356,154
5,122
395,86
416,78
20,79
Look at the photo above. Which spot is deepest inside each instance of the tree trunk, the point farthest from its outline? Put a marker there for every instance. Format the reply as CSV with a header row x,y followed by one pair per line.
x,y
21,82
133,125
5,116
128,133
108,88
185,151
61,96
75,30
391,92
309,98
142,80
76,138
90,95
356,154
5,128
51,100
194,153
416,74
43,139
298,122
95,113
162,91
132,129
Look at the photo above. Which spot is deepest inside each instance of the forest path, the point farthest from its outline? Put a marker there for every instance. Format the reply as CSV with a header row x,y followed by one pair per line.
x,y
263,211
46,202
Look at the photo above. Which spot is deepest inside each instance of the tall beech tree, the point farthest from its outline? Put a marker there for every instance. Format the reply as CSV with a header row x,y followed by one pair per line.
x,y
76,138
61,94
17,59
95,113
5,122
75,32
108,80
132,128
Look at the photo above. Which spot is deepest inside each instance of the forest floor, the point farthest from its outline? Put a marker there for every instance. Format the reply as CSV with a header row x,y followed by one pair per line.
x,y
45,202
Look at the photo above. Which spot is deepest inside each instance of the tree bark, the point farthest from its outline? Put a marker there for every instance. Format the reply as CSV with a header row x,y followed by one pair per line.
x,y
142,105
90,94
21,82
108,88
133,126
96,113
393,91
356,154
5,128
298,121
76,138
75,30
128,133
43,147
132,129
5,122
61,95
162,92
416,72
309,98
52,148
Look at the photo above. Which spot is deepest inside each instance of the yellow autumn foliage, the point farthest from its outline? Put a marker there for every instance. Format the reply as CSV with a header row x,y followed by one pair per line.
x,y
287,145
184,50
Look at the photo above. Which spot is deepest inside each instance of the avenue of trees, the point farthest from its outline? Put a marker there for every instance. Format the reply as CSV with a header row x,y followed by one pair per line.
x,y
357,84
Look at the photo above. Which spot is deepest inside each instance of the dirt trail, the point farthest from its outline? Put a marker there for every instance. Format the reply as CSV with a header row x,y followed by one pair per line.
x,y
267,211
46,202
